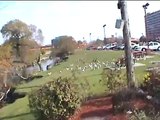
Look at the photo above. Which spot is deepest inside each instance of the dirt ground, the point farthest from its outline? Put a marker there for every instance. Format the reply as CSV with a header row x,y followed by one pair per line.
x,y
101,109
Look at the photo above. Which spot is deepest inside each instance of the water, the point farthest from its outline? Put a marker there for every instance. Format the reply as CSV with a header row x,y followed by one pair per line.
x,y
44,64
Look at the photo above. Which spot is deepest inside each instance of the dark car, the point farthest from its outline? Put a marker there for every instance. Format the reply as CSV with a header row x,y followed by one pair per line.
x,y
91,48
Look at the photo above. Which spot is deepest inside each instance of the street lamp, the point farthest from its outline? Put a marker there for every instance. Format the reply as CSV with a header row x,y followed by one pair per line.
x,y
145,19
104,31
90,36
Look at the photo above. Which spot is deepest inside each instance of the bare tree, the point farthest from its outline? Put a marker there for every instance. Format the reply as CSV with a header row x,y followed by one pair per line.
x,y
37,34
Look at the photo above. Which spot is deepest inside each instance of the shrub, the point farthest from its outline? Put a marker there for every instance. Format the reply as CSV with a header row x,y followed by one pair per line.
x,y
142,115
114,79
122,100
57,100
43,52
151,82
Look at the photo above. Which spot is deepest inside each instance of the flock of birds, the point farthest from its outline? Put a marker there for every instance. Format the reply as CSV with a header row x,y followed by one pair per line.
x,y
82,66
88,66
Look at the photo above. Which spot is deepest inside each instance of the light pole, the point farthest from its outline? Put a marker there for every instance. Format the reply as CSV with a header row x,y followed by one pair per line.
x,y
104,31
90,36
145,19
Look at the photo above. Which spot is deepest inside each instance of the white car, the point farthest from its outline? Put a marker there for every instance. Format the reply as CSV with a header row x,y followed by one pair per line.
x,y
110,46
99,48
106,46
133,45
151,46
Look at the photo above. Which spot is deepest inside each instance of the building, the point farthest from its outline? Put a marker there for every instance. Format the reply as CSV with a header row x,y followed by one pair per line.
x,y
153,25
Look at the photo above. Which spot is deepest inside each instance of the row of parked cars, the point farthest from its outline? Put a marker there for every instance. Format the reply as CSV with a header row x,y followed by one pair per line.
x,y
112,46
155,46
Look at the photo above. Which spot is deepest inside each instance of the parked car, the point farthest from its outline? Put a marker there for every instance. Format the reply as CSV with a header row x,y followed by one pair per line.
x,y
151,46
120,47
91,48
133,45
109,46
105,47
99,48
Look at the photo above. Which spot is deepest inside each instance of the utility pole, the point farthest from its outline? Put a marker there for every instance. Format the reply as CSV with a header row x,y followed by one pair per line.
x,y
122,5
104,31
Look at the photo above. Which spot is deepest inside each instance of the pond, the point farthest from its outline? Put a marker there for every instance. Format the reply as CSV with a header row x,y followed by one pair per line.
x,y
15,76
44,65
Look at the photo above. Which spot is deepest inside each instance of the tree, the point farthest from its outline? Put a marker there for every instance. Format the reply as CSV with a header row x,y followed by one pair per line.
x,y
23,42
7,54
29,51
57,40
64,45
16,30
99,42
143,39
79,42
119,40
37,34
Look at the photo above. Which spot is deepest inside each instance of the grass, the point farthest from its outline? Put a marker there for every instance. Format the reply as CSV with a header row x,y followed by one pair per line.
x,y
19,110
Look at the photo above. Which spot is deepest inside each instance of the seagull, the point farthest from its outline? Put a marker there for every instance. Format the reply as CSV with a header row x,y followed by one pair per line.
x,y
71,65
49,73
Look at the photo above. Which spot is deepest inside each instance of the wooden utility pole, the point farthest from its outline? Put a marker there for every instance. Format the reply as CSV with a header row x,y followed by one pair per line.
x,y
122,5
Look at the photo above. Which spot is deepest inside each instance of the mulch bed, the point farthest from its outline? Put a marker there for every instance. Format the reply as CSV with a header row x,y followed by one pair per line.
x,y
101,109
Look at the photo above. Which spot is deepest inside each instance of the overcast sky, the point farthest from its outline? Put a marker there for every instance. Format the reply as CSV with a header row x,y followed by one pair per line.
x,y
75,18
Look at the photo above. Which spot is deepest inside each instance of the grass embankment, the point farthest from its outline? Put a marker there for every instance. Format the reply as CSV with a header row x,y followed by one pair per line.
x,y
19,110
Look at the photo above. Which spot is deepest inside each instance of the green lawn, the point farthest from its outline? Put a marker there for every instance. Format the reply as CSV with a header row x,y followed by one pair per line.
x,y
19,110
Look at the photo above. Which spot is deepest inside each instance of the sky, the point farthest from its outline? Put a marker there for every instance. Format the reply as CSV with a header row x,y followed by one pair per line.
x,y
76,18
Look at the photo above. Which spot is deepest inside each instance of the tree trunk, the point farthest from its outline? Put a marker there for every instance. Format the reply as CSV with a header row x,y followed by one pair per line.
x,y
39,63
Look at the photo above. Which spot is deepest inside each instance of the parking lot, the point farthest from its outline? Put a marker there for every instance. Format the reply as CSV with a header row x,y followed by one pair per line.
x,y
152,46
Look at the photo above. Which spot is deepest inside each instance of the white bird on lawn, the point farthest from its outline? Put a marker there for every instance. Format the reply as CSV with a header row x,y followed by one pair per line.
x,y
79,68
71,69
83,70
71,65
49,73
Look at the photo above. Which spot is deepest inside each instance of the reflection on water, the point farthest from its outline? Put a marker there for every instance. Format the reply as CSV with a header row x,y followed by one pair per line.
x,y
44,64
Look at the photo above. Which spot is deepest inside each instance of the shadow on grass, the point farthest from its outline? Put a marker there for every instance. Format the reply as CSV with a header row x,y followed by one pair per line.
x,y
11,98
15,116
33,77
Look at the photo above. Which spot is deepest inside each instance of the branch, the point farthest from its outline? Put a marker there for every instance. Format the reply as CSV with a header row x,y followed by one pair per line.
x,y
22,77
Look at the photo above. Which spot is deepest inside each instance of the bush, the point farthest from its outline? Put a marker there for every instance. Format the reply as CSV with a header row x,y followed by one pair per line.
x,y
57,100
122,100
141,115
151,82
114,79
43,52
